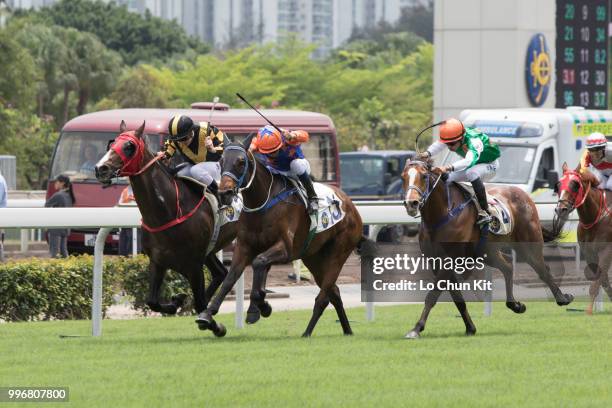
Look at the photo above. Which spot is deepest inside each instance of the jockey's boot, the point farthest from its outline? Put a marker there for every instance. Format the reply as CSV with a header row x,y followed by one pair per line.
x,y
213,188
313,200
481,195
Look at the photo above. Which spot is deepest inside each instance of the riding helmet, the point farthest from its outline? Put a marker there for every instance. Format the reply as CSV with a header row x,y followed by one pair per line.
x,y
596,141
451,131
269,139
179,127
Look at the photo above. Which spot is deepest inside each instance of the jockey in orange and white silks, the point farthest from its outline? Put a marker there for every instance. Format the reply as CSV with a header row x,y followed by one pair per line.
x,y
284,156
598,159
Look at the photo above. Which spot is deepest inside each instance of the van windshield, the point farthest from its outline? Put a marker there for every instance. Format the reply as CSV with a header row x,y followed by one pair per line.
x,y
362,174
78,152
515,164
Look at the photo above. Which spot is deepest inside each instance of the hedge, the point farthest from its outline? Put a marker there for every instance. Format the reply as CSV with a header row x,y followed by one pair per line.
x,y
43,289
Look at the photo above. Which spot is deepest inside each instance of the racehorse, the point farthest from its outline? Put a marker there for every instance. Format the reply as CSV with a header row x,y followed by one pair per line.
x,y
276,234
177,222
578,190
448,226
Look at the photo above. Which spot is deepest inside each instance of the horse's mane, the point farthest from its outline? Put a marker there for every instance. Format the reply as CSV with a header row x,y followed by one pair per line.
x,y
587,177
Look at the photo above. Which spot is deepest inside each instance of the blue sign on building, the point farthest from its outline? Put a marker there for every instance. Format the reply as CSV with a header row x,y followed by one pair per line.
x,y
538,70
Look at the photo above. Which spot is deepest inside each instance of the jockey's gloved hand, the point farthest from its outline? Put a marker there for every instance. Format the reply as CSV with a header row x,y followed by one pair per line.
x,y
423,156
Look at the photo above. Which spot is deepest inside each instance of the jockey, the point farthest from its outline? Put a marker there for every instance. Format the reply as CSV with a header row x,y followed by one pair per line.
x,y
284,155
598,155
479,163
201,145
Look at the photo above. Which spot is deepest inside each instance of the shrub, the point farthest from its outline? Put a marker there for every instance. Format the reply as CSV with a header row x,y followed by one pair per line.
x,y
43,289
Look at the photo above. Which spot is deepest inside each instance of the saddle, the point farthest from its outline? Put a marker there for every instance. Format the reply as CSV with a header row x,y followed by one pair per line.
x,y
501,223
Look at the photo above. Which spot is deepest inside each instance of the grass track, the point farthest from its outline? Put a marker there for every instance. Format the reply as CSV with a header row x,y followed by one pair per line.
x,y
546,357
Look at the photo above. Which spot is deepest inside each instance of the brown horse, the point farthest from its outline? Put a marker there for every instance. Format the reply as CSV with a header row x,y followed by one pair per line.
x,y
178,220
578,190
278,234
448,228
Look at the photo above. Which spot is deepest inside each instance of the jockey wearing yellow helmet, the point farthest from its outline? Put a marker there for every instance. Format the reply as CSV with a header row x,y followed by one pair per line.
x,y
598,156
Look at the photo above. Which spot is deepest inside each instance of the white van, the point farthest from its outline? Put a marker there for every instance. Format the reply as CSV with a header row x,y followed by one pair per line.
x,y
534,143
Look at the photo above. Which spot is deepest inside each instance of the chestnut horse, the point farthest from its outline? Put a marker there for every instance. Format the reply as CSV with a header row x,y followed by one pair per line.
x,y
578,190
448,227
177,222
278,235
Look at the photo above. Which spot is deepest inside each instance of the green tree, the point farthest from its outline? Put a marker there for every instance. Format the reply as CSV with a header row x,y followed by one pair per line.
x,y
140,87
136,38
18,73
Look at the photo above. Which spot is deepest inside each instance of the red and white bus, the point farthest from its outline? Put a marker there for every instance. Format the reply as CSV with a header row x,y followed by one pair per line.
x,y
84,139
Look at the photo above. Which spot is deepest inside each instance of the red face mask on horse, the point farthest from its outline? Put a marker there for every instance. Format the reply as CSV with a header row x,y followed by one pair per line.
x,y
130,148
572,184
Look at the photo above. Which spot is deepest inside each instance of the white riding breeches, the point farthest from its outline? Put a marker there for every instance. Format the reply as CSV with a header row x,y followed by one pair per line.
x,y
604,177
296,168
484,171
204,172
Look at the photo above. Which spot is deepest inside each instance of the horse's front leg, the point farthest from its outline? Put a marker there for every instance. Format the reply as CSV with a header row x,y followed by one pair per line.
x,y
240,259
218,272
157,273
259,286
277,253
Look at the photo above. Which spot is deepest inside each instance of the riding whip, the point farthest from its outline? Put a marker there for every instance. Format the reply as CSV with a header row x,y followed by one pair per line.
x,y
260,114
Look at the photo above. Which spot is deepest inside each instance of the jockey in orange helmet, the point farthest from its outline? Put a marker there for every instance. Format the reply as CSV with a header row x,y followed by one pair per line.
x,y
598,155
480,159
284,156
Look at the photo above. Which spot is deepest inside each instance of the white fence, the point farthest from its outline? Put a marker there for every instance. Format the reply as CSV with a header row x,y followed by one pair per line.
x,y
107,218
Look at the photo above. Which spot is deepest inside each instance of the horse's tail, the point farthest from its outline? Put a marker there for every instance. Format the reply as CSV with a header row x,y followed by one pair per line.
x,y
555,233
365,245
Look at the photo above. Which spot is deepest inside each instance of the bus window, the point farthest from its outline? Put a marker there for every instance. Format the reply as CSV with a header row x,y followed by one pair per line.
x,y
78,152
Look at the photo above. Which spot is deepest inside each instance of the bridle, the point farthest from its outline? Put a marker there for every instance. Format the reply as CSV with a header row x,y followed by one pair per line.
x,y
423,194
602,211
579,196
131,166
238,188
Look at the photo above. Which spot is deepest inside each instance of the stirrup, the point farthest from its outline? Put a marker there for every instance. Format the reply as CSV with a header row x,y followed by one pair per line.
x,y
484,217
313,205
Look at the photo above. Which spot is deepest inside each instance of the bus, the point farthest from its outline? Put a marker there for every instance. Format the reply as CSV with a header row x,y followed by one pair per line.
x,y
84,139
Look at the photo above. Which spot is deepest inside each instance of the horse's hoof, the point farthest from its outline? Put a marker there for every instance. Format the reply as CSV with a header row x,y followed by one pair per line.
x,y
567,298
413,334
516,307
265,309
204,321
179,299
252,317
221,330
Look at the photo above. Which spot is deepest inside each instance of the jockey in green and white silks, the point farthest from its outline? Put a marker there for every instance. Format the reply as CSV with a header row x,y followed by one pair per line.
x,y
479,163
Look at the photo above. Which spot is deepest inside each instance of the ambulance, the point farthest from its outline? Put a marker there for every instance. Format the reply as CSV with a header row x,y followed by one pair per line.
x,y
535,143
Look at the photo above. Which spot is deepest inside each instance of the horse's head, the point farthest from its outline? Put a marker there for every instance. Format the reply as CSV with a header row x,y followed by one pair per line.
x,y
124,156
416,179
234,169
572,189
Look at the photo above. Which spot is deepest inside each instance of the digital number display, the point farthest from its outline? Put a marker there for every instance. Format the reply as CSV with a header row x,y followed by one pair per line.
x,y
582,53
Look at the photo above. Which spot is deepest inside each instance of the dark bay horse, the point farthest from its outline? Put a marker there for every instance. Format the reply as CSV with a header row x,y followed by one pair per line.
x,y
277,235
180,222
578,190
428,193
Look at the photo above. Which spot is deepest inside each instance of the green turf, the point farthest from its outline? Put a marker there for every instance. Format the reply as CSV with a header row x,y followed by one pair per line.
x,y
546,357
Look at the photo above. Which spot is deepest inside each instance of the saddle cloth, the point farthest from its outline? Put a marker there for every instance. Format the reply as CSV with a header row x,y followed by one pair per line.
x,y
502,223
330,206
